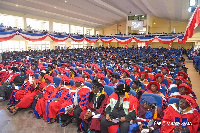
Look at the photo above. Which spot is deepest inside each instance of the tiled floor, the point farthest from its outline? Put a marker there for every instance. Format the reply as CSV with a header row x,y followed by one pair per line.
x,y
23,122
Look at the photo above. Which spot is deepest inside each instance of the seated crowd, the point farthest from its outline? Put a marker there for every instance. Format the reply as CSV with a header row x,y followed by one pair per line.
x,y
105,90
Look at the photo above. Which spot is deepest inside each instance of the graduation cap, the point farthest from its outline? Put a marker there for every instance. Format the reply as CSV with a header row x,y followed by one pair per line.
x,y
149,100
122,89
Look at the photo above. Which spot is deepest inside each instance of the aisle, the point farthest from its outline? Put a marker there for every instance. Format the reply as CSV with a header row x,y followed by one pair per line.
x,y
194,77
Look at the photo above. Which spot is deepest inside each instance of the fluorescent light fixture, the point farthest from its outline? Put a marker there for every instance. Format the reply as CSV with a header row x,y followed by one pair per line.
x,y
154,23
16,5
65,1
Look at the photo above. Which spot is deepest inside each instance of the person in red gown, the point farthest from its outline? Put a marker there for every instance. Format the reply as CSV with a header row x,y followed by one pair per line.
x,y
55,105
40,108
182,117
91,118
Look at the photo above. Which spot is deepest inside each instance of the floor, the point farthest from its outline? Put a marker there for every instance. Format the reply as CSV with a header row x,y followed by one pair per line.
x,y
23,122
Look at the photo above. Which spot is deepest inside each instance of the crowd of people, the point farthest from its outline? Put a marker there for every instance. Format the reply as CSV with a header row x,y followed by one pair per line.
x,y
104,89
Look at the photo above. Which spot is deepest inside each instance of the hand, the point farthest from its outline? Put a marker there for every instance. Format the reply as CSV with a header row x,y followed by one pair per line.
x,y
57,99
70,110
177,128
140,127
150,129
36,96
123,119
108,117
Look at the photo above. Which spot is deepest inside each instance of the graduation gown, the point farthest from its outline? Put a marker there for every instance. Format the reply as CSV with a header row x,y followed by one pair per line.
x,y
98,110
55,106
189,119
128,109
82,96
144,116
40,108
27,100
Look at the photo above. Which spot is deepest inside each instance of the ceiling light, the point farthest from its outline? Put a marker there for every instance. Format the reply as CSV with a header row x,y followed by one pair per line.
x,y
136,15
65,1
16,5
142,15
154,23
55,6
46,11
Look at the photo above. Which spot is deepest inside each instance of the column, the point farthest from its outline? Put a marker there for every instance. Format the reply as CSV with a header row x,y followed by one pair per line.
x,y
69,28
26,45
25,24
68,44
50,25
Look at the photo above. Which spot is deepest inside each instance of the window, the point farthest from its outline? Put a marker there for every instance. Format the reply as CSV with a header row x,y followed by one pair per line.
x,y
193,2
76,29
61,45
37,24
13,21
39,45
141,44
143,31
12,46
88,31
58,27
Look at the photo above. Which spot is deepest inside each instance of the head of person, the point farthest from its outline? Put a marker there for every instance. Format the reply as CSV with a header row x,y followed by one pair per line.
x,y
187,101
96,87
122,90
41,76
143,75
23,71
149,102
115,78
136,84
78,81
65,80
154,86
184,89
179,80
125,74
48,79
165,70
159,78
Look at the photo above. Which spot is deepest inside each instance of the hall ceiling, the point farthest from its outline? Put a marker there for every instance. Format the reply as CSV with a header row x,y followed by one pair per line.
x,y
99,13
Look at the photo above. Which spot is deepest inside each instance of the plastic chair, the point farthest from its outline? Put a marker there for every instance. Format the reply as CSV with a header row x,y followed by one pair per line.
x,y
173,100
89,71
73,65
57,81
157,98
71,82
165,81
56,71
174,89
82,66
122,81
132,76
106,80
143,86
67,74
88,84
108,89
132,92
162,89
36,75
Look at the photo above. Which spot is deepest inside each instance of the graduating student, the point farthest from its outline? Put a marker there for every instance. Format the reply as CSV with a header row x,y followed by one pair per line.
x,y
149,116
142,77
91,118
40,108
114,81
120,110
154,88
125,75
75,103
182,117
55,104
136,86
